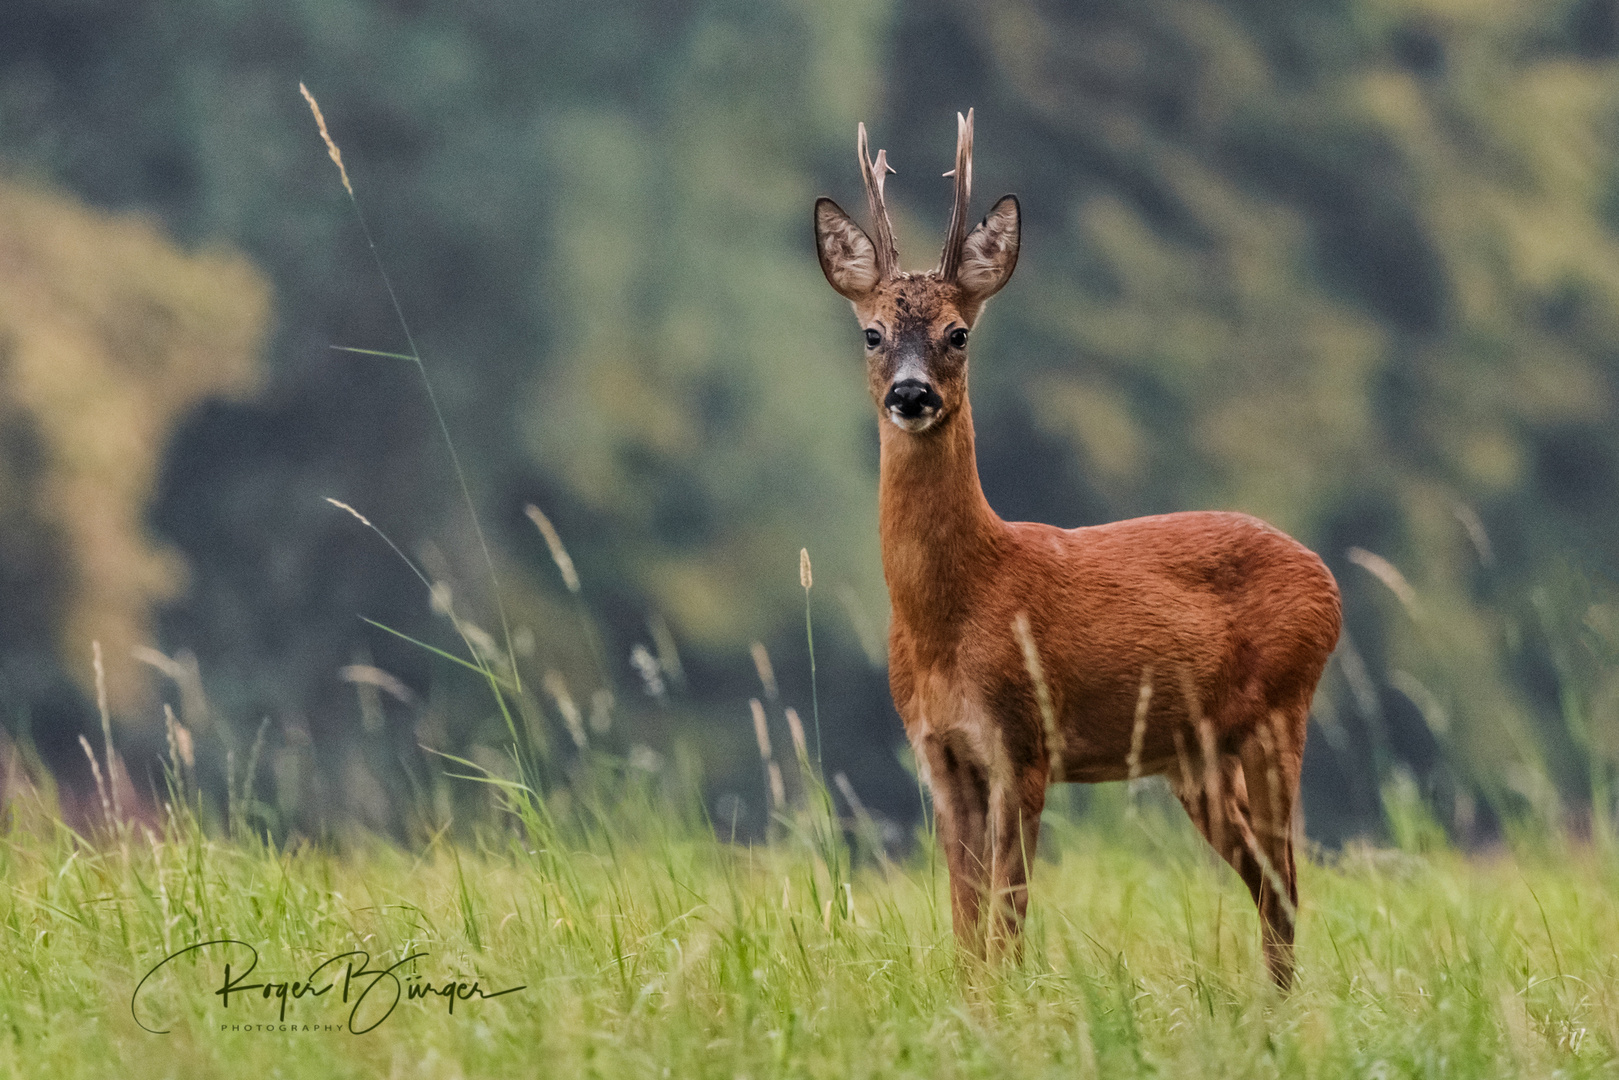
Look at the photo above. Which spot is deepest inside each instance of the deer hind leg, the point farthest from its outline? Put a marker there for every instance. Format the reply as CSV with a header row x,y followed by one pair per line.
x,y
1217,801
1218,806
960,789
1271,758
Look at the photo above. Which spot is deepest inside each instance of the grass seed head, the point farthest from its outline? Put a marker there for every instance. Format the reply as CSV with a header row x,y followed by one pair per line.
x,y
761,730
553,540
326,137
767,672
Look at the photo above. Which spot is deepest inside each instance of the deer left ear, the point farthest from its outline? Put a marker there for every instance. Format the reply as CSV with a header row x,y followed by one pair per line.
x,y
989,254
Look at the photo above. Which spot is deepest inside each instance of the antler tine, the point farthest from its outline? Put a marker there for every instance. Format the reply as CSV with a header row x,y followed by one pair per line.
x,y
950,259
874,173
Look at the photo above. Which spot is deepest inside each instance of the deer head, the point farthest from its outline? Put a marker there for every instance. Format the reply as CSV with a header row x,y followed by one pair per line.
x,y
916,324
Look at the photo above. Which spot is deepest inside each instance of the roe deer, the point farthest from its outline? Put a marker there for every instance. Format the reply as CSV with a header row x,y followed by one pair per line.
x,y
1022,654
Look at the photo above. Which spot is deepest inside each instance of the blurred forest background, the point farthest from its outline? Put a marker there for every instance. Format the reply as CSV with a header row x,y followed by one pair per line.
x,y
1350,265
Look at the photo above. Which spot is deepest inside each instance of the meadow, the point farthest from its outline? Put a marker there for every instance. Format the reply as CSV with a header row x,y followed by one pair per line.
x,y
590,918
647,943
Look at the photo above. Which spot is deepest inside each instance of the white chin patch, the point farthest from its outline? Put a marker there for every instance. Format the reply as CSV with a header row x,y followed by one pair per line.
x,y
914,424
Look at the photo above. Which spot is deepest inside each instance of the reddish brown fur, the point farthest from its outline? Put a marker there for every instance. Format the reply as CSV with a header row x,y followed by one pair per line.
x,y
1229,619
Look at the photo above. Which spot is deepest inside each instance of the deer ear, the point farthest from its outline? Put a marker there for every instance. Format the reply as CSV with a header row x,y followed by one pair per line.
x,y
848,257
989,254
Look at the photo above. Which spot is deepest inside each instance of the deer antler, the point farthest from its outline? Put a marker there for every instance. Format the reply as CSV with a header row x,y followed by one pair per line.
x,y
874,172
950,259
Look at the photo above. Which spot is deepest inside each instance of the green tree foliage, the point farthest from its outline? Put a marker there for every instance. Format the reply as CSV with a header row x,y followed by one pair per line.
x,y
108,336
700,395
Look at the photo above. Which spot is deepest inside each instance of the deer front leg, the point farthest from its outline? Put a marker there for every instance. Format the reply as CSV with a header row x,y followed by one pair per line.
x,y
961,810
1014,823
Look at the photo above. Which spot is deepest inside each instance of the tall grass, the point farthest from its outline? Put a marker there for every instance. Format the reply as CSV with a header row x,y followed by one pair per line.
x,y
647,946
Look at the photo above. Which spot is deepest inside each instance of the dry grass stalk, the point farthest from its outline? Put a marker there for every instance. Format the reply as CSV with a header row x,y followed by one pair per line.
x,y
371,675
1295,822
646,666
761,730
101,783
557,687
668,654
553,540
482,643
252,772
767,672
795,727
325,136
778,789
361,518
182,669
106,727
1213,795
437,593
1267,745
1042,694
1388,574
1278,887
1188,783
1138,733
863,818
1213,789
181,749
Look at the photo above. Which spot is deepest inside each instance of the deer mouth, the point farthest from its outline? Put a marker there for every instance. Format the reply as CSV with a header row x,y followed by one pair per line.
x,y
913,424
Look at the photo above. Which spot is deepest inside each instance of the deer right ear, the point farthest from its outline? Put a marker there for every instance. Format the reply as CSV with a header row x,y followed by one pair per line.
x,y
848,257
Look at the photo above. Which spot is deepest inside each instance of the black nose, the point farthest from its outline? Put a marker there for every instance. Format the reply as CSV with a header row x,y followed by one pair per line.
x,y
909,397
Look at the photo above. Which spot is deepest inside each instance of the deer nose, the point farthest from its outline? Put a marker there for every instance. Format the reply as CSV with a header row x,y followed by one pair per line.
x,y
910,398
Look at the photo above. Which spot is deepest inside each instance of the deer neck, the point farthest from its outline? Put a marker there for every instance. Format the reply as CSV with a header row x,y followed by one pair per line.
x,y
938,532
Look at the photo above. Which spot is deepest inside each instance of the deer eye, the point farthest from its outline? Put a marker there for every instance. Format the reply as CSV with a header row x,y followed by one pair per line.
x,y
873,339
958,338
